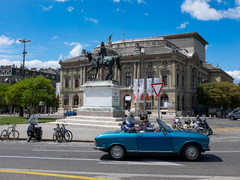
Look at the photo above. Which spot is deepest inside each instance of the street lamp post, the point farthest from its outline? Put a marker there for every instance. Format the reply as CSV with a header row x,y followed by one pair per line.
x,y
24,52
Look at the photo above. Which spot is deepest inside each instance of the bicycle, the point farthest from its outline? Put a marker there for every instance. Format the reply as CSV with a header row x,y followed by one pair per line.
x,y
9,133
62,133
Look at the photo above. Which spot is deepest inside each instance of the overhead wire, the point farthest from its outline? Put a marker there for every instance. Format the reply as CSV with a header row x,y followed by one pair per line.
x,y
224,17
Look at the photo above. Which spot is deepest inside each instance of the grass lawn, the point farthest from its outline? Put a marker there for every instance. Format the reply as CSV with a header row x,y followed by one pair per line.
x,y
22,120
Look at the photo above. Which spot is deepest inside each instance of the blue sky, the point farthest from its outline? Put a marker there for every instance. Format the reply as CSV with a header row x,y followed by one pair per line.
x,y
60,29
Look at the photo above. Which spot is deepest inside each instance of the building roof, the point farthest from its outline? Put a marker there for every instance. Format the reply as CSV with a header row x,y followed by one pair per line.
x,y
147,46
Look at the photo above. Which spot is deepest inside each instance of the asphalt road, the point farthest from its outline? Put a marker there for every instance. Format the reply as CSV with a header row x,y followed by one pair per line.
x,y
56,161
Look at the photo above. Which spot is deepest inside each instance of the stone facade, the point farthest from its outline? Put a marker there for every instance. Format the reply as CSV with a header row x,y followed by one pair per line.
x,y
177,60
11,74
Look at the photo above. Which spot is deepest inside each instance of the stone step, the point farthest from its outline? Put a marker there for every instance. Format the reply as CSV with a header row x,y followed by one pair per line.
x,y
91,126
89,121
95,118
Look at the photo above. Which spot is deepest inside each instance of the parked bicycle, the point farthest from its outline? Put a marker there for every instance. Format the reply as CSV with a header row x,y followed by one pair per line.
x,y
9,133
61,133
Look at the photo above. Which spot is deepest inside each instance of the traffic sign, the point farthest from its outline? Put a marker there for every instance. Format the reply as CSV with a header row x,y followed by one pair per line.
x,y
157,87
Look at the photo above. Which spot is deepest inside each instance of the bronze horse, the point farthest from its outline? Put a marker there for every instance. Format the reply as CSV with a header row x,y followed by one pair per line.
x,y
108,61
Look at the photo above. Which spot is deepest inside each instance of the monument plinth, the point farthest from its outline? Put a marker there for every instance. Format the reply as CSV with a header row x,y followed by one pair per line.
x,y
101,98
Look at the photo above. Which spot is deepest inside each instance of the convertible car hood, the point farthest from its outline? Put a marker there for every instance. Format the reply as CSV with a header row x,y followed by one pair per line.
x,y
113,132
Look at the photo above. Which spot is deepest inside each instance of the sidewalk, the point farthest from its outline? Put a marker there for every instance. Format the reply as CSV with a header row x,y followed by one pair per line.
x,y
80,134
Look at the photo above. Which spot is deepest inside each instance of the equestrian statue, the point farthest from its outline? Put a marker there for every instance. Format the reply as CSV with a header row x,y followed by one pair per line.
x,y
101,59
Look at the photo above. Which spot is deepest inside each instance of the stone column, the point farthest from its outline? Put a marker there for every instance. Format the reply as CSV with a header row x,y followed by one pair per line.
x,y
84,74
81,76
115,73
135,71
119,77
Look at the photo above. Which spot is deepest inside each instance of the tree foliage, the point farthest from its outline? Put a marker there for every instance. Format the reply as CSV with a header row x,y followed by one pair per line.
x,y
3,90
221,94
29,92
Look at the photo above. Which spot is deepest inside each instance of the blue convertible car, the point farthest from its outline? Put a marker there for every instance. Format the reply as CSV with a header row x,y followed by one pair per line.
x,y
161,140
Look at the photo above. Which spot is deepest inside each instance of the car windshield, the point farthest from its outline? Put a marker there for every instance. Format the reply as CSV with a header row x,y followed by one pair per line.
x,y
162,124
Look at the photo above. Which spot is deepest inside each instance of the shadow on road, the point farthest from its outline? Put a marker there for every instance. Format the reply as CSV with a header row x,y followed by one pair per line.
x,y
160,157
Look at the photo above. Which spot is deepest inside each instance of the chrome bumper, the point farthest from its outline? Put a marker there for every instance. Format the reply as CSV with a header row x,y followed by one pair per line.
x,y
205,149
100,148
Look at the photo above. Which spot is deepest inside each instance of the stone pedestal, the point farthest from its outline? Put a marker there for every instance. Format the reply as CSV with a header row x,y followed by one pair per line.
x,y
101,98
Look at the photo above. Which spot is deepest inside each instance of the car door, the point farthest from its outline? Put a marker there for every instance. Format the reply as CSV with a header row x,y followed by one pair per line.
x,y
237,114
154,142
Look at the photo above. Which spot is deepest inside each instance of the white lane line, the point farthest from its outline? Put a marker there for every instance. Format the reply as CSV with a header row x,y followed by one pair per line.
x,y
141,163
106,162
124,175
224,151
49,158
72,151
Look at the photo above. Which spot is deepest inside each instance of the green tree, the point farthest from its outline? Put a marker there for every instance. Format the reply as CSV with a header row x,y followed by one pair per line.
x,y
3,90
29,92
221,94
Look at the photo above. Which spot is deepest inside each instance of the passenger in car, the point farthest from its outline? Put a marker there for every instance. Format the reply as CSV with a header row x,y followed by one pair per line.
x,y
145,122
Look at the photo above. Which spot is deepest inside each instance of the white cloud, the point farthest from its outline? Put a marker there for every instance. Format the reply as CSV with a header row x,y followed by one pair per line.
x,y
183,25
5,41
141,1
201,10
116,1
47,8
76,51
39,64
235,75
55,37
70,8
32,64
60,57
146,14
91,19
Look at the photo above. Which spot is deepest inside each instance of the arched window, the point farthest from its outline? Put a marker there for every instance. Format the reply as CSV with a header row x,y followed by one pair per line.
x,y
76,100
164,98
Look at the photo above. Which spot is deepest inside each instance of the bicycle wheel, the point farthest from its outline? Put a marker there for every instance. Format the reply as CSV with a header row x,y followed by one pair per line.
x,y
54,136
68,136
4,135
59,136
14,134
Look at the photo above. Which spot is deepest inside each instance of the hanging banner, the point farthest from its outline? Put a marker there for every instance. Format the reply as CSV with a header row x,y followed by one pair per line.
x,y
149,90
58,91
141,90
156,80
135,91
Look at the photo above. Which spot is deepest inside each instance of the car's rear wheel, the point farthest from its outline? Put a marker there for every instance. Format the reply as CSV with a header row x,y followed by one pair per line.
x,y
117,152
191,152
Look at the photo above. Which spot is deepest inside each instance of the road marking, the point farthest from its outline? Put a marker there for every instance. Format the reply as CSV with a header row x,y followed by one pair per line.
x,y
110,175
226,129
224,151
70,151
51,174
49,158
141,163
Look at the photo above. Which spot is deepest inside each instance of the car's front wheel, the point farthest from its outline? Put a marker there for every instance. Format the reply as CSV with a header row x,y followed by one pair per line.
x,y
231,118
191,152
117,152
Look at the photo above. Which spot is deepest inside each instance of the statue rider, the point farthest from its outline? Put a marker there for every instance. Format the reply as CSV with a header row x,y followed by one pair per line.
x,y
102,53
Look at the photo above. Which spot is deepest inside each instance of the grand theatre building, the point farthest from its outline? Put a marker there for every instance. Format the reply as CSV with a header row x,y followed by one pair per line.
x,y
177,60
